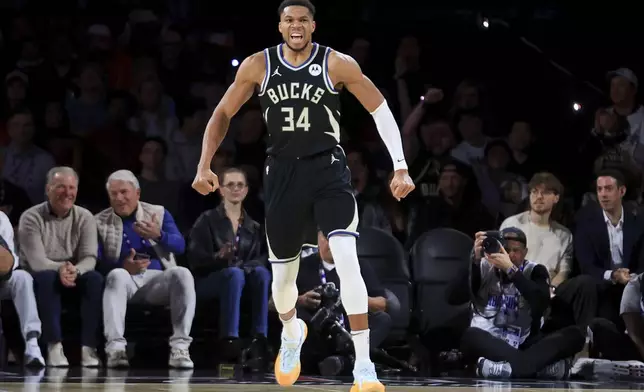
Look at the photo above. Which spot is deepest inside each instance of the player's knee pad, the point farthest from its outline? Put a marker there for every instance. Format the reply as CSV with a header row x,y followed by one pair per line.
x,y
284,285
353,290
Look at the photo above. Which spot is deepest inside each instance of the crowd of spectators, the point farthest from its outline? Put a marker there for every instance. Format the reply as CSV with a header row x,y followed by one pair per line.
x,y
101,130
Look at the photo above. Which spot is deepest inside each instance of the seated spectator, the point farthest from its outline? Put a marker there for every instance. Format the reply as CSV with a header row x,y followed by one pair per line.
x,y
550,245
492,175
156,116
184,143
18,285
155,187
606,242
137,246
324,349
512,295
521,140
58,246
622,354
25,164
472,148
226,255
453,208
87,110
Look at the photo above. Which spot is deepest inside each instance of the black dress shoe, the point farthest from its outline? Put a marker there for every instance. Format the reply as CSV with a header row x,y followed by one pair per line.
x,y
256,357
230,350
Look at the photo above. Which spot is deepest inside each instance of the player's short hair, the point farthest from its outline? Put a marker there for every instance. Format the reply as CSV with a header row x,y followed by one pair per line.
x,y
301,3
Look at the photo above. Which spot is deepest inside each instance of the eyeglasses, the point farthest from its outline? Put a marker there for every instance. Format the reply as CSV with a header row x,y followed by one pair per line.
x,y
235,185
537,192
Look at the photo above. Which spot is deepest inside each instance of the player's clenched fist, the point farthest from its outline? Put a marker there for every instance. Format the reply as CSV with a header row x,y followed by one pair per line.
x,y
401,184
205,182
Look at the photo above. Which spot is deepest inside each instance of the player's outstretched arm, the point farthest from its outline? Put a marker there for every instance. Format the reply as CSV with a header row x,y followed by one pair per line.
x,y
250,74
345,70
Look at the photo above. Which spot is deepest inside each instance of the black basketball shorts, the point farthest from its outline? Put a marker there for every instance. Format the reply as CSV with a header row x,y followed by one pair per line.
x,y
303,196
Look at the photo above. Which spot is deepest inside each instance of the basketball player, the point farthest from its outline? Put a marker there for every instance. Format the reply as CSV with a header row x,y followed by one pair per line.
x,y
306,180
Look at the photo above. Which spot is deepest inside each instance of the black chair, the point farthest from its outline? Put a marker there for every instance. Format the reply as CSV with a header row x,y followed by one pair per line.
x,y
438,256
387,257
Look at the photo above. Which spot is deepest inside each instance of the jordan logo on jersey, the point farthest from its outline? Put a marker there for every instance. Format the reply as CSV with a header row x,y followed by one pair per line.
x,y
277,72
294,91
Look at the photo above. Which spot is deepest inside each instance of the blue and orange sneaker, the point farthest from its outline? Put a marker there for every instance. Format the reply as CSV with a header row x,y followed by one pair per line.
x,y
365,378
287,364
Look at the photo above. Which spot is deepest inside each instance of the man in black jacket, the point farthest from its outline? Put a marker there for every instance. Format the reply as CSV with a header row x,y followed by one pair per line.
x,y
608,243
225,254
511,295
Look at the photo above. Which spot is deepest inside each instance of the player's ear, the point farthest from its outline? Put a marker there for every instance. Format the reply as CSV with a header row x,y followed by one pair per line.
x,y
279,27
313,27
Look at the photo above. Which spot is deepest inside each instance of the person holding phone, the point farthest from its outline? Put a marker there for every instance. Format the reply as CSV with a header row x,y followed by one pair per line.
x,y
227,256
137,247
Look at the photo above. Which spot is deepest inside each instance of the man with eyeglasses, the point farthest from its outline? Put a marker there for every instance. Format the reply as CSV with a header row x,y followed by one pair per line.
x,y
226,256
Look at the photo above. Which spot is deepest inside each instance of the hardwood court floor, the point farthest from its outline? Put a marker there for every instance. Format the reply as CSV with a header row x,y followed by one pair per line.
x,y
74,380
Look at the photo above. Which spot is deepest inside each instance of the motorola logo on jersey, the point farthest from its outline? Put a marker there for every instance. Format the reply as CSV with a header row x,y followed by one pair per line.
x,y
293,90
315,69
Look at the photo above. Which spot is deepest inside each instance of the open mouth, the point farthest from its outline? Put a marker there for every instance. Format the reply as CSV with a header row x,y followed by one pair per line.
x,y
297,38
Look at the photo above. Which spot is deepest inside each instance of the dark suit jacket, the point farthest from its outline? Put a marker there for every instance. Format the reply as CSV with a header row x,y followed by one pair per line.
x,y
592,244
212,231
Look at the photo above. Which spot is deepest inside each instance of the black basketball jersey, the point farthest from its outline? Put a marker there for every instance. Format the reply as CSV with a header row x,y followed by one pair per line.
x,y
299,104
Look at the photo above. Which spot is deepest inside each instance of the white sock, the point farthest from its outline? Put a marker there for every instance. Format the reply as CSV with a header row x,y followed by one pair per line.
x,y
292,328
361,344
33,342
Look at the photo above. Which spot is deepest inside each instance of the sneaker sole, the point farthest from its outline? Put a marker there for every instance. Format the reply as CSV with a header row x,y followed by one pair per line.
x,y
288,379
368,387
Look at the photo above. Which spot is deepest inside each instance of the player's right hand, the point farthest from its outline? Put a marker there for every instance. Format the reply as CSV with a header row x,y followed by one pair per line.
x,y
205,182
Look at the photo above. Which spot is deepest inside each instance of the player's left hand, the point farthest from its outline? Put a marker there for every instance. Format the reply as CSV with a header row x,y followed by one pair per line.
x,y
401,184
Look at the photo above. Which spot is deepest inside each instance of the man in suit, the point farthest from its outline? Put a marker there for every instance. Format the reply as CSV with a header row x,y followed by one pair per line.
x,y
606,243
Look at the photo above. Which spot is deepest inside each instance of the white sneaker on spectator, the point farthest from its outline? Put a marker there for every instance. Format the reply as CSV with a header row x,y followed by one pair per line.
x,y
491,369
55,355
89,357
559,370
33,355
180,359
589,369
117,359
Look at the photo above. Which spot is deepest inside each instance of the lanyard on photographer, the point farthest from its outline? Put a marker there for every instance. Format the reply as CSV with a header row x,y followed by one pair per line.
x,y
323,280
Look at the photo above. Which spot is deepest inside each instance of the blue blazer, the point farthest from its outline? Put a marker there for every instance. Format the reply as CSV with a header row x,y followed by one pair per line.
x,y
592,244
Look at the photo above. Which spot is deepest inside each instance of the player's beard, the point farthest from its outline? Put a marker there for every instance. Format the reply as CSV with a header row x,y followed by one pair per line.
x,y
306,45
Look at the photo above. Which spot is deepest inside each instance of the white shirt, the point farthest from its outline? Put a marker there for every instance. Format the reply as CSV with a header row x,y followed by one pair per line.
x,y
6,231
549,246
616,239
468,153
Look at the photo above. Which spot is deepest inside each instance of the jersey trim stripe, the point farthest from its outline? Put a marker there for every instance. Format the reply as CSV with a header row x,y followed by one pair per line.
x,y
267,75
325,70
285,63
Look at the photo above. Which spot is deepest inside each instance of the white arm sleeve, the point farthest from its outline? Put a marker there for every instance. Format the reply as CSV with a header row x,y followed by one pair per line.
x,y
390,134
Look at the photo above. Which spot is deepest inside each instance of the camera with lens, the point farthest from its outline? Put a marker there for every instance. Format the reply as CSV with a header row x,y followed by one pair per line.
x,y
493,242
325,321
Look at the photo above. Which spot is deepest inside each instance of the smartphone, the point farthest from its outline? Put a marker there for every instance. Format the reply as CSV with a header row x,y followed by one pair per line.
x,y
141,256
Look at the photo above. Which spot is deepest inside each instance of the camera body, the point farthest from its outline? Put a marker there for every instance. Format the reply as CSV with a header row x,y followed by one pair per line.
x,y
325,321
493,242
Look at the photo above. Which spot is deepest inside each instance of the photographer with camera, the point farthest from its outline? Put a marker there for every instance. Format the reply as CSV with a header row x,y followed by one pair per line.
x,y
509,297
329,344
